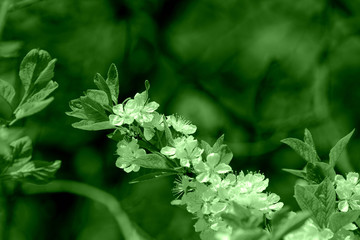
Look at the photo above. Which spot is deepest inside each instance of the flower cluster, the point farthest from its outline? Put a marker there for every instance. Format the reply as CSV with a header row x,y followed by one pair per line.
x,y
348,191
206,186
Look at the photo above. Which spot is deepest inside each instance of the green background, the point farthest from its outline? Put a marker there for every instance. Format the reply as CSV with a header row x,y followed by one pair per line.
x,y
257,71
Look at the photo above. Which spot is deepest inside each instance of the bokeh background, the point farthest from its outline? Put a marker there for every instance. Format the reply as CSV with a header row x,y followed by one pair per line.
x,y
258,71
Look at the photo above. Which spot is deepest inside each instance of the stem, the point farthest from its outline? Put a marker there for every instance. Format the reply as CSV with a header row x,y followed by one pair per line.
x,y
95,194
3,13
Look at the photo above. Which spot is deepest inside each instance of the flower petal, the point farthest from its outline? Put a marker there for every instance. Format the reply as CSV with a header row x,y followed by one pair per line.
x,y
116,120
213,159
168,151
223,168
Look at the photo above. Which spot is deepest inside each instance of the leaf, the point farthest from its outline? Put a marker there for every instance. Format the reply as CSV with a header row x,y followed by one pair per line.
x,y
150,176
218,144
226,154
339,147
301,148
298,173
168,134
113,82
308,202
93,110
35,171
21,150
7,91
46,75
44,92
308,139
77,109
30,108
152,161
326,194
289,225
207,148
89,125
6,110
102,85
98,96
319,171
31,67
340,219
147,85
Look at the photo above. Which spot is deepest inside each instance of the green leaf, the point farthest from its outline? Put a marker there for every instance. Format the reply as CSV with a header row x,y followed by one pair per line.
x,y
93,110
98,96
77,109
46,75
6,109
339,147
308,139
301,148
325,193
319,171
153,175
102,85
34,171
89,125
21,150
226,154
207,148
7,91
152,161
113,82
340,219
168,134
44,92
289,225
218,144
30,108
31,67
147,85
298,173
308,202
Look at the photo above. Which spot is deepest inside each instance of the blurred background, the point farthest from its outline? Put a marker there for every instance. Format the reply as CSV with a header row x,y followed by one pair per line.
x,y
257,71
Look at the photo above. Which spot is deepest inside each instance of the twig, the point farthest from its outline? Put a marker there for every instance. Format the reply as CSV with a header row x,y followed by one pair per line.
x,y
95,194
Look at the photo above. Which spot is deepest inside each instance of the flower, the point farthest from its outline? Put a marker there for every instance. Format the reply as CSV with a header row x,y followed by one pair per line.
x,y
134,109
186,149
128,152
180,124
209,171
348,191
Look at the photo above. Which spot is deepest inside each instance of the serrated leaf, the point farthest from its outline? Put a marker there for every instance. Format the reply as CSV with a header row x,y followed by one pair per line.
x,y
150,176
7,91
31,66
102,85
152,161
93,110
340,219
339,147
98,96
308,202
34,171
308,139
326,195
298,173
44,92
30,108
113,82
301,148
89,125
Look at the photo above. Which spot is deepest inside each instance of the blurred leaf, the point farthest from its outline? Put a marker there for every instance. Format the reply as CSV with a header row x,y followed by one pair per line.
x,y
92,126
153,175
7,91
113,82
286,225
153,161
340,219
301,148
30,108
10,49
21,150
298,173
339,147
